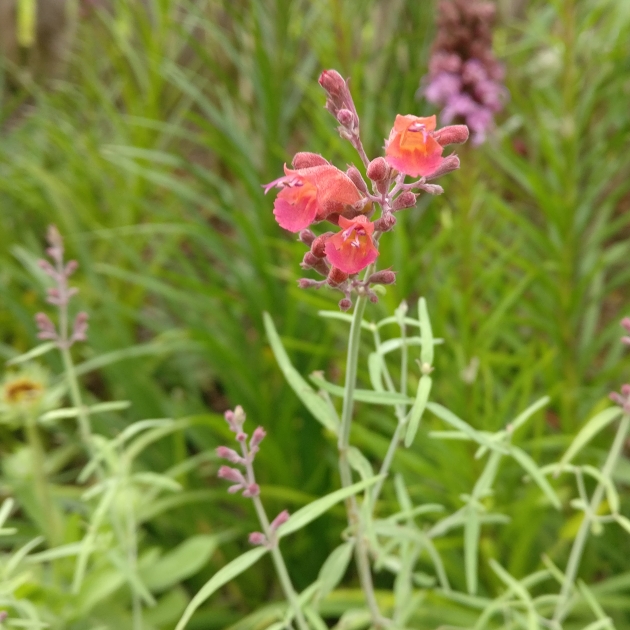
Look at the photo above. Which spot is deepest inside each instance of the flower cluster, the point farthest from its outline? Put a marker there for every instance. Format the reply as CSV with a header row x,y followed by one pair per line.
x,y
60,296
465,78
315,190
623,398
243,479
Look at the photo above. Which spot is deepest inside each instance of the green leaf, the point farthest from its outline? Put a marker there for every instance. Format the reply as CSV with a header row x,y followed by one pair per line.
x,y
589,431
426,333
530,466
334,568
528,413
221,577
416,411
181,563
314,403
344,317
472,531
37,351
361,395
360,463
375,368
611,492
623,521
310,512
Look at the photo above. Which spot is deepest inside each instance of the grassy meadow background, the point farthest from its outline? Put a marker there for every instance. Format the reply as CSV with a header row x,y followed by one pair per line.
x,y
149,157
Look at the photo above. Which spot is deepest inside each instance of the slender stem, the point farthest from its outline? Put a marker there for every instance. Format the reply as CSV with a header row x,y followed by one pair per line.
x,y
562,607
42,489
276,554
75,395
343,444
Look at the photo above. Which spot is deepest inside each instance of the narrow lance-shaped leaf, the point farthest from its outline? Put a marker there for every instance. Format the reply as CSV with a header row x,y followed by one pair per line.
x,y
310,512
426,333
419,405
532,469
314,403
472,531
334,568
221,577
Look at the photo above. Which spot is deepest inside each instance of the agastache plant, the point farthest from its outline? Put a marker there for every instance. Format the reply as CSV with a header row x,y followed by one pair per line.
x,y
315,191
465,79
243,480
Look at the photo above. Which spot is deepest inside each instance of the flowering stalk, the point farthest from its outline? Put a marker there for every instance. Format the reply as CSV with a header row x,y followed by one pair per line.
x,y
246,484
64,339
568,585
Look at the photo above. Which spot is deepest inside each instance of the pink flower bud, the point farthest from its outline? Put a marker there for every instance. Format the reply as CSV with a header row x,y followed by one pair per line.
x,y
306,160
231,455
257,437
307,283
241,437
449,164
355,176
306,236
385,276
281,519
625,322
378,169
45,326
312,262
432,189
406,199
257,538
79,330
626,340
625,390
385,223
318,248
453,134
333,83
48,269
231,474
252,490
70,268
346,118
235,419
345,304
373,298
336,277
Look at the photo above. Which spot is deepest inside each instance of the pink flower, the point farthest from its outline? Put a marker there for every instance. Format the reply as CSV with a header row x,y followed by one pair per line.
x,y
352,249
411,149
311,194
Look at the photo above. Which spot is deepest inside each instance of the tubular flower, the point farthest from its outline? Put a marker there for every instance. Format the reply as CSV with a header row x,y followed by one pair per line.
x,y
311,194
411,148
352,249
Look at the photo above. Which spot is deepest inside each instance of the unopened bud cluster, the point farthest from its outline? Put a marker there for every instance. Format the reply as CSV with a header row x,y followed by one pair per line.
x,y
314,191
623,398
242,478
60,295
465,78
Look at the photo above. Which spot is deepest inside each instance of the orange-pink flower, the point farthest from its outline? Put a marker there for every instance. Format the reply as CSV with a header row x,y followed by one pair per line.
x,y
411,148
352,249
311,194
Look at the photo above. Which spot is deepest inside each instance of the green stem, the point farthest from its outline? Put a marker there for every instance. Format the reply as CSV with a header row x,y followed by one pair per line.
x,y
50,516
77,401
562,607
280,566
343,444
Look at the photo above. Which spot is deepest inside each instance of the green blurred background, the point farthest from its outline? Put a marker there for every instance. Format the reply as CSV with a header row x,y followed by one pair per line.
x,y
149,155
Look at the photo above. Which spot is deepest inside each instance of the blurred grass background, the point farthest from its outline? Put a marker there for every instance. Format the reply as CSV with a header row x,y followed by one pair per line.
x,y
149,156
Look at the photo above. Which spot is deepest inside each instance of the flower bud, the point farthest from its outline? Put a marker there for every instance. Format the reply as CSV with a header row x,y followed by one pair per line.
x,y
281,519
406,199
45,326
305,159
231,455
79,330
257,437
453,134
336,277
306,236
252,490
386,276
450,163
355,177
70,268
346,118
312,262
345,304
378,169
333,83
257,538
232,474
318,248
432,189
307,283
625,322
48,269
382,186
385,223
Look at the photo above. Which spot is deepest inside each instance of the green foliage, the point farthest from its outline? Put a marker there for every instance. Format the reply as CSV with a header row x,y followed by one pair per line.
x,y
149,156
